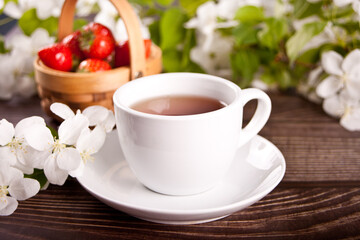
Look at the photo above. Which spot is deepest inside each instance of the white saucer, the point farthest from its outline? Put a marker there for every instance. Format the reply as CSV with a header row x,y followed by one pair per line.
x,y
257,170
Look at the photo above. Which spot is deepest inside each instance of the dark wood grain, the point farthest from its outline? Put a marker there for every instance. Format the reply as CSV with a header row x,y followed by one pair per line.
x,y
319,197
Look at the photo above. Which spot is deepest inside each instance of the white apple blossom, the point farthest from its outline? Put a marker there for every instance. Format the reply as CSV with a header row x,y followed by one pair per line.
x,y
89,143
344,107
109,17
44,8
16,9
61,157
85,7
206,20
14,149
343,74
13,187
14,70
29,46
214,60
97,115
16,66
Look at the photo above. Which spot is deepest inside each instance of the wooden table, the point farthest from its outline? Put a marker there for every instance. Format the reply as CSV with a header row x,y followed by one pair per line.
x,y
319,197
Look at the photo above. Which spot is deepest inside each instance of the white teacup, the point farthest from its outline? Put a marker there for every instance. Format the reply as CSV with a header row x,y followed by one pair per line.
x,y
188,154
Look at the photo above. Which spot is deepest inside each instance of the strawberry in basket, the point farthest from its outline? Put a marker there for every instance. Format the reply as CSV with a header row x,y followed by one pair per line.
x,y
57,56
93,47
96,41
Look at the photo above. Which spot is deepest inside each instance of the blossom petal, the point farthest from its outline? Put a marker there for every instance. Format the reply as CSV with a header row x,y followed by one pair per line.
x,y
68,159
351,121
351,62
7,132
24,188
34,158
9,174
79,171
23,168
333,106
7,156
331,62
95,114
353,89
342,3
53,173
329,86
109,122
70,129
8,206
12,10
26,124
39,137
91,141
62,110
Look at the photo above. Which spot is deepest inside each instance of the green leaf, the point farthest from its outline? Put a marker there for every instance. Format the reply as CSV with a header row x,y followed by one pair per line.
x,y
303,9
189,43
190,6
284,78
295,44
79,23
165,2
172,31
143,2
54,133
50,24
2,46
172,60
279,74
274,31
245,34
244,64
29,21
154,29
248,14
39,176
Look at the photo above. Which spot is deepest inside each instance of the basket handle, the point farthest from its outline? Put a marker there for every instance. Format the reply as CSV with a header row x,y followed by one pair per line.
x,y
126,12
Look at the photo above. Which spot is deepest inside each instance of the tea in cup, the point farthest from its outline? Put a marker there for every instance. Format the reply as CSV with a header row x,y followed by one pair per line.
x,y
180,132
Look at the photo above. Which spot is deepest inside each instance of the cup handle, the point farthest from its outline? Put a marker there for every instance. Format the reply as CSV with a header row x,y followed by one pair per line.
x,y
261,115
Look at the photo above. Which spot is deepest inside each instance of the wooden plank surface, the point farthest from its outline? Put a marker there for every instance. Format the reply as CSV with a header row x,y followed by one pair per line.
x,y
319,197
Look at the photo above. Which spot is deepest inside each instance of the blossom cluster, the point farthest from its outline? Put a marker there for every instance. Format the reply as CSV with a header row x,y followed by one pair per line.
x,y
30,146
331,79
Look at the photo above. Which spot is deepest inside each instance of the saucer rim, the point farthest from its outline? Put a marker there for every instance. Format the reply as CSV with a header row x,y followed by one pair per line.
x,y
243,203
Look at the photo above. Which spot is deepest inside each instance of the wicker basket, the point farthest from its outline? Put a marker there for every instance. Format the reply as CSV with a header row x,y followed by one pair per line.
x,y
80,90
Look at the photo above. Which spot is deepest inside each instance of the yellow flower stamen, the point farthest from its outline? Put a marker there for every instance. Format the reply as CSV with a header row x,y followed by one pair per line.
x,y
344,79
86,156
3,191
16,143
58,146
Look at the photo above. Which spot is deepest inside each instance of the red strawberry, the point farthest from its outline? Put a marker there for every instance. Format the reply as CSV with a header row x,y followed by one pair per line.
x,y
98,29
122,54
93,65
96,41
56,56
72,41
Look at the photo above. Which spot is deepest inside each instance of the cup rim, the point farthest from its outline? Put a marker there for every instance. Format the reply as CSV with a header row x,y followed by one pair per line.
x,y
228,107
